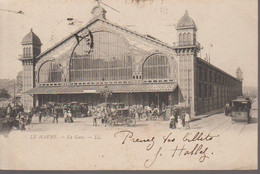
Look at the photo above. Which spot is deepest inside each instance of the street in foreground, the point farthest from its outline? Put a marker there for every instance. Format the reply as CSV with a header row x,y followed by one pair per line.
x,y
147,145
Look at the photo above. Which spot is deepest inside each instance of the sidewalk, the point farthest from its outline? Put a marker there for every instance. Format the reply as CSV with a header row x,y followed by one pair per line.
x,y
199,117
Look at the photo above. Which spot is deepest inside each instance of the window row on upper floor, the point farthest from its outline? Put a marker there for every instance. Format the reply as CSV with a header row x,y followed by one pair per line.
x,y
208,75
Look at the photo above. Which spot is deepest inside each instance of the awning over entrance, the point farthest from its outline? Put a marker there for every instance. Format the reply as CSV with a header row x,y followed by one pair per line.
x,y
120,88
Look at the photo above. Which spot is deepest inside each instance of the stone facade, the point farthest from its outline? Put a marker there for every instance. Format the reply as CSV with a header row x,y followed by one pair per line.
x,y
196,86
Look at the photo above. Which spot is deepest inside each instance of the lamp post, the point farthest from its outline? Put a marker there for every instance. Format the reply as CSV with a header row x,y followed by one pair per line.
x,y
185,99
106,93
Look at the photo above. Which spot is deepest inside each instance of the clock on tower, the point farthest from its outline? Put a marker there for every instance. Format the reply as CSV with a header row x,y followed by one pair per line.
x,y
99,12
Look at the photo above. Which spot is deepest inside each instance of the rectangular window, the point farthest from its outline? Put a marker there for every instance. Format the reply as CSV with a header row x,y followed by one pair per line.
x,y
206,74
200,90
206,91
200,73
210,76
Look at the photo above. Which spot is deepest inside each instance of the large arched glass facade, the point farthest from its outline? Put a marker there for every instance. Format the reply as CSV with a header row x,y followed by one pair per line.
x,y
50,72
110,59
156,66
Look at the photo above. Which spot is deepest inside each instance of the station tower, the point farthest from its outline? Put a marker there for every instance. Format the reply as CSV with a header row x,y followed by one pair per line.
x,y
31,45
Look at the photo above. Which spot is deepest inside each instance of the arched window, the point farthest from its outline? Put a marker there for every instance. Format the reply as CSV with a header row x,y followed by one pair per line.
x,y
50,72
29,52
110,59
156,66
180,39
24,51
185,39
189,41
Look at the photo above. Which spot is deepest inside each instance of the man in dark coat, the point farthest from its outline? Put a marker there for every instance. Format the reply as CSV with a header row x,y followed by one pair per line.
x,y
55,115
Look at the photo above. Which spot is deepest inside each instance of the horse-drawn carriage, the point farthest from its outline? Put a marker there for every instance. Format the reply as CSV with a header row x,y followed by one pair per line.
x,y
78,109
115,105
122,116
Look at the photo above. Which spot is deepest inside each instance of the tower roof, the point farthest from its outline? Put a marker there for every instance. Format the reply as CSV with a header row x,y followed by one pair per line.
x,y
186,22
31,38
239,69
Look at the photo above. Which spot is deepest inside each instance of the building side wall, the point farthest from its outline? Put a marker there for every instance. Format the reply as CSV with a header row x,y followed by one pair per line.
x,y
27,100
214,88
185,63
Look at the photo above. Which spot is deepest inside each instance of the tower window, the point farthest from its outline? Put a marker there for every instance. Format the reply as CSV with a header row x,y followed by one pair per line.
x,y
185,39
180,39
189,42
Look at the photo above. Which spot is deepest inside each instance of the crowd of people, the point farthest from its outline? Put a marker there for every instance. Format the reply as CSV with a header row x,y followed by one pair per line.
x,y
103,112
136,111
179,119
13,115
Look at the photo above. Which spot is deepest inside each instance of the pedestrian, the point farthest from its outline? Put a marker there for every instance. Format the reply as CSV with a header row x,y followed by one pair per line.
x,y
227,109
55,116
187,120
9,110
182,117
172,122
180,124
65,116
70,120
40,116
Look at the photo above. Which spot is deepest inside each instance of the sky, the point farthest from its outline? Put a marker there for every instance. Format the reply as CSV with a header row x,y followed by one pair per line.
x,y
230,26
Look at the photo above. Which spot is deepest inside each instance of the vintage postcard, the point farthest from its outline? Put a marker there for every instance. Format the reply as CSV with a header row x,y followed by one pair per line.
x,y
128,84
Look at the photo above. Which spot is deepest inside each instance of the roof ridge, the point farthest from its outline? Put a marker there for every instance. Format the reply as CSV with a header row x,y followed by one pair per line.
x,y
108,22
125,28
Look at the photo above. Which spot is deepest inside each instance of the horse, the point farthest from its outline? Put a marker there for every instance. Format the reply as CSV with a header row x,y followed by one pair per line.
x,y
23,120
102,115
97,115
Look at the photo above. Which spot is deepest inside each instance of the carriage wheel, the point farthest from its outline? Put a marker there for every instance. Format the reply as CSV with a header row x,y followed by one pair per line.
x,y
112,123
154,117
130,122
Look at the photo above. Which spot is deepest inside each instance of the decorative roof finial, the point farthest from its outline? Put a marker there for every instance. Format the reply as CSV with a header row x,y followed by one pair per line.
x,y
31,30
186,12
98,1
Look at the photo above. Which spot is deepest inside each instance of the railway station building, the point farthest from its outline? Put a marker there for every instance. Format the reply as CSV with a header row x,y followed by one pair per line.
x,y
138,69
